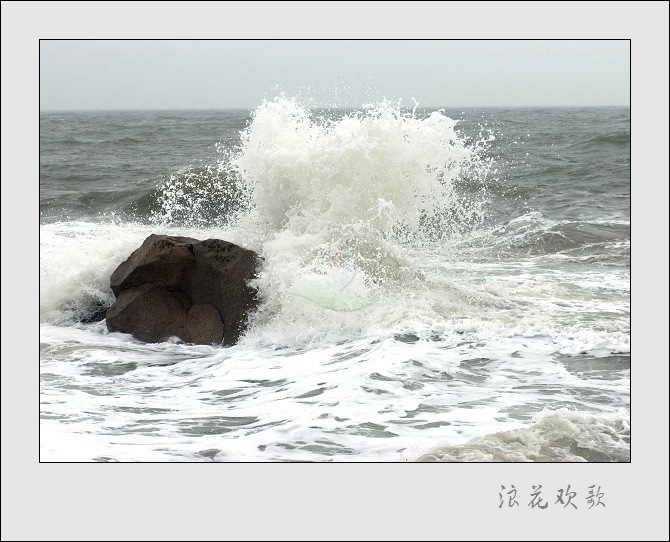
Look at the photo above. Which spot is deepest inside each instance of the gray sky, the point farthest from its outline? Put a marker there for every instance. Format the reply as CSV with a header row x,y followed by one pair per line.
x,y
192,74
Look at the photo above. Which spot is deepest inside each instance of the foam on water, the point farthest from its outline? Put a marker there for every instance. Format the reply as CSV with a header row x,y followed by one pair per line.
x,y
378,398
477,341
381,192
553,435
360,189
76,261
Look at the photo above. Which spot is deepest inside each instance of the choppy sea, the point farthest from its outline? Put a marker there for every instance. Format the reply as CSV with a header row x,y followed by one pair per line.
x,y
491,247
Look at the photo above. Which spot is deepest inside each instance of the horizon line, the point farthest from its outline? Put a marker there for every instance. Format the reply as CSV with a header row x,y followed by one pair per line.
x,y
56,110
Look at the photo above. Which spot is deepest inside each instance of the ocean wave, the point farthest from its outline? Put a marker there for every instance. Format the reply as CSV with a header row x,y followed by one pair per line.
x,y
560,435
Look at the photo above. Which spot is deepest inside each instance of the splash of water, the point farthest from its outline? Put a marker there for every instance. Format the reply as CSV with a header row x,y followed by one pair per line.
x,y
362,184
363,188
318,192
381,170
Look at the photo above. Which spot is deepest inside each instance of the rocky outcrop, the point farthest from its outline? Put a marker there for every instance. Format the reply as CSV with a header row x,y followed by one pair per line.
x,y
181,287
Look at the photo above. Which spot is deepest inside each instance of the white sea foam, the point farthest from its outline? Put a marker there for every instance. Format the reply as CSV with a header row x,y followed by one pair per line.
x,y
377,398
469,333
553,435
376,192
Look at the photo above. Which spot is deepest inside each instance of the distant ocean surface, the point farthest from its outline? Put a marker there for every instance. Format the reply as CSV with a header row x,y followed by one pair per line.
x,y
492,247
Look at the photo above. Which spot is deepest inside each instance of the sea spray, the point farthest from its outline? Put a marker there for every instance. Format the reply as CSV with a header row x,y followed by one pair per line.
x,y
369,187
504,335
399,196
380,169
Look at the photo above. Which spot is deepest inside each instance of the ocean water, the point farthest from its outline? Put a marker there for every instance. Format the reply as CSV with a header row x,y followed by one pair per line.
x,y
490,250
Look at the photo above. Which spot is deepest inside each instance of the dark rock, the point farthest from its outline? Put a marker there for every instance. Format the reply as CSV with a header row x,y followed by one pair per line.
x,y
231,297
179,286
149,312
204,325
161,258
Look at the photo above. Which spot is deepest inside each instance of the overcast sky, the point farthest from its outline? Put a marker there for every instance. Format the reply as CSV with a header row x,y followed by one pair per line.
x,y
193,74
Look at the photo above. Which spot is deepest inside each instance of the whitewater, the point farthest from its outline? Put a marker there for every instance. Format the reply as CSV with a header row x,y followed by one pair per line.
x,y
491,247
